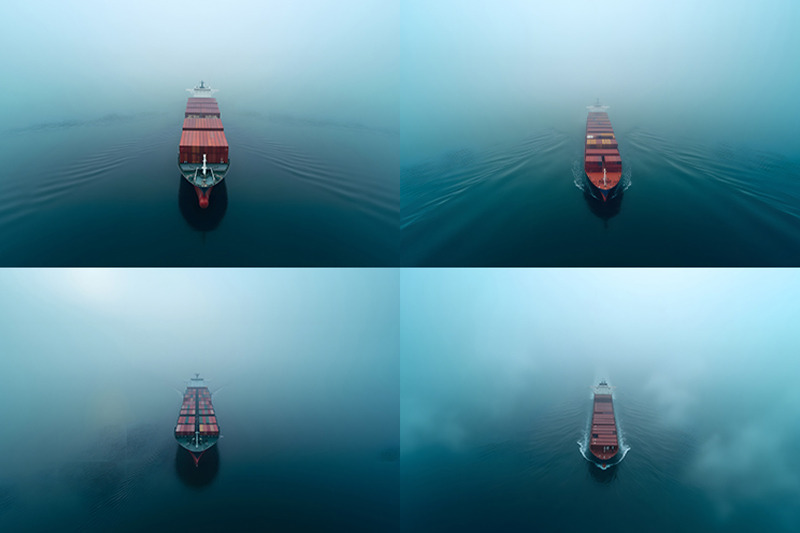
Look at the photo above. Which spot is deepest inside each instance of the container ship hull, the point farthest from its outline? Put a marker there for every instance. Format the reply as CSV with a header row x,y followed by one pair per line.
x,y
197,430
604,441
203,151
601,161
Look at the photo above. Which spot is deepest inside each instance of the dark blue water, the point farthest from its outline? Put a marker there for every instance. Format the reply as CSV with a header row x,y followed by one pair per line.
x,y
317,192
105,191
302,364
525,203
530,475
266,473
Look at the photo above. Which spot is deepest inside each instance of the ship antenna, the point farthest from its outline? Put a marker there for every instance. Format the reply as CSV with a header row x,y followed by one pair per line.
x,y
604,175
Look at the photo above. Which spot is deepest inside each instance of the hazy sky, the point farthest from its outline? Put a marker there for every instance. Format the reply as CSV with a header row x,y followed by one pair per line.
x,y
308,352
486,353
334,59
474,69
452,71
476,341
441,356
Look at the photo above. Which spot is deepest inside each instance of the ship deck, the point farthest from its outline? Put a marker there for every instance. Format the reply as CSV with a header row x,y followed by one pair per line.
x,y
601,160
604,183
604,443
197,429
193,173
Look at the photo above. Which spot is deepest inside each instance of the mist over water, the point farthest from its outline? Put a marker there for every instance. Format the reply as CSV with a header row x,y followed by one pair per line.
x,y
702,101
495,396
370,133
86,60
528,203
303,366
719,72
92,108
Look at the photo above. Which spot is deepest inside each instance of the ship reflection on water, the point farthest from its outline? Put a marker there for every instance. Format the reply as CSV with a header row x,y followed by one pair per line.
x,y
197,476
198,218
605,210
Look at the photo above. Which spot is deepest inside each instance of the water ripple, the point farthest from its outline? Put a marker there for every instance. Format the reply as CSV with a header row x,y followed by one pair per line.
x,y
426,187
111,118
768,178
378,200
59,180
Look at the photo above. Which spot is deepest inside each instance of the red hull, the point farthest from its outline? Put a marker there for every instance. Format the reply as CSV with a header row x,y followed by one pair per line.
x,y
197,458
601,159
203,196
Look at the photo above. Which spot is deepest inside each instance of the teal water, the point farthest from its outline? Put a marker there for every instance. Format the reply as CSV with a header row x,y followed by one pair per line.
x,y
527,203
496,403
106,192
302,365
700,474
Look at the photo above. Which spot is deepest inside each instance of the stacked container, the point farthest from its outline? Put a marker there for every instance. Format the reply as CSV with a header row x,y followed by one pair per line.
x,y
199,107
594,163
197,413
601,149
210,124
207,419
186,419
604,428
203,133
614,163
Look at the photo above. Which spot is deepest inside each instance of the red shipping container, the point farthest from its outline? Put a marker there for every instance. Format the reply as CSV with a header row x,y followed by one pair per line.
x,y
598,152
212,110
194,114
195,143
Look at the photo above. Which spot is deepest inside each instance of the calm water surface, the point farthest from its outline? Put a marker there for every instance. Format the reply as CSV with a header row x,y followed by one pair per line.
x,y
527,204
130,477
693,475
106,192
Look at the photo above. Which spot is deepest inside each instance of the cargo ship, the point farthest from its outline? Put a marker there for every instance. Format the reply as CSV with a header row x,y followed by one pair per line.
x,y
197,429
601,161
604,442
203,150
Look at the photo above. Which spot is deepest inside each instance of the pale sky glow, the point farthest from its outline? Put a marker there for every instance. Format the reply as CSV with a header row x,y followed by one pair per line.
x,y
286,345
90,58
476,71
474,341
452,358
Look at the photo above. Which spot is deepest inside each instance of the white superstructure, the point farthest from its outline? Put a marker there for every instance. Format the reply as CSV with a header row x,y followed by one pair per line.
x,y
597,107
201,91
